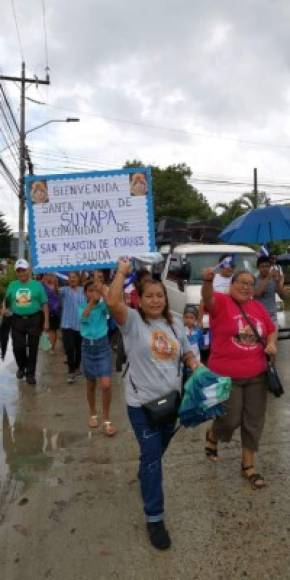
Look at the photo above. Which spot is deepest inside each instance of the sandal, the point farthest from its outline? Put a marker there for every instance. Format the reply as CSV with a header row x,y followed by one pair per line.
x,y
254,478
93,421
211,453
109,429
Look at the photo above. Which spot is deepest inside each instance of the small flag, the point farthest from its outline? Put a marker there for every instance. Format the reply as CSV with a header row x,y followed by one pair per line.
x,y
263,251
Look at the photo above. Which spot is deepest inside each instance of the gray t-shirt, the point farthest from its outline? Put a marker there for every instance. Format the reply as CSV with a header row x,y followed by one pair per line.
x,y
153,352
268,298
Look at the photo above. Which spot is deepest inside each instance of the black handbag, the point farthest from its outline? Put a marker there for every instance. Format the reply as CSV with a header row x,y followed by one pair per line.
x,y
273,381
274,384
163,410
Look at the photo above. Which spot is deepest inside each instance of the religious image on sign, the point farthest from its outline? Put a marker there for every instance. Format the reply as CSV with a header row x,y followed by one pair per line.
x,y
88,220
138,184
38,192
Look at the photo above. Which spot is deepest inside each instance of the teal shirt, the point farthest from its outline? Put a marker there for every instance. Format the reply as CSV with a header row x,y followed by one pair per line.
x,y
95,325
25,298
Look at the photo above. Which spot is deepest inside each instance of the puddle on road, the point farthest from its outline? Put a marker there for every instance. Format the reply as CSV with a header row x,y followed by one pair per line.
x,y
25,449
28,449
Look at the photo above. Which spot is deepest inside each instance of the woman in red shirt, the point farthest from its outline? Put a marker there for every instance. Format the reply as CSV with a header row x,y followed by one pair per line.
x,y
237,352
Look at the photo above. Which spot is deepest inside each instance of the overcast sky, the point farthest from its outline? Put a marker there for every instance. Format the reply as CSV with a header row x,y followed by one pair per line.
x,y
168,81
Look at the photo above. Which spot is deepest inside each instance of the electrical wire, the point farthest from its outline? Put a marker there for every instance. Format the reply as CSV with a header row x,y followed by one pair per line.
x,y
9,146
9,131
169,129
17,30
5,97
6,173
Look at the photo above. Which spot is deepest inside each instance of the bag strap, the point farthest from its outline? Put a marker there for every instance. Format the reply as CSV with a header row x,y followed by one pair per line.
x,y
180,357
246,317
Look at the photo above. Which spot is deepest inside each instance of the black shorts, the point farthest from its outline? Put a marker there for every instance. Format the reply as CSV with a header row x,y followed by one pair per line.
x,y
54,321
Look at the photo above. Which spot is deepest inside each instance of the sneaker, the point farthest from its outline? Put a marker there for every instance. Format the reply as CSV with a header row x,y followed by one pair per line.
x,y
78,374
20,374
71,378
158,535
30,380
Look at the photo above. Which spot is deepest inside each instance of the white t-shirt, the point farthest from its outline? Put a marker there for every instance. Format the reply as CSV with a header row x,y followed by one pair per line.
x,y
153,352
221,284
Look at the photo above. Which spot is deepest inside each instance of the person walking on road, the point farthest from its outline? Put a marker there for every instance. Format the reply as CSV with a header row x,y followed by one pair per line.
x,y
96,353
72,296
269,282
155,343
27,300
50,284
237,352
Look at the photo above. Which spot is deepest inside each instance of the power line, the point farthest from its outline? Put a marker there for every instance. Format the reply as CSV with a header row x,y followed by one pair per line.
x,y
169,129
17,30
8,129
9,107
8,146
8,175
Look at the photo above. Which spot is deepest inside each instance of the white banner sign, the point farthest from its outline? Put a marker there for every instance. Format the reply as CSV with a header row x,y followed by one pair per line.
x,y
87,221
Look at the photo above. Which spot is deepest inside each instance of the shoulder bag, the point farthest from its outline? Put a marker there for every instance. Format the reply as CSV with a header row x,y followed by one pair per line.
x,y
274,383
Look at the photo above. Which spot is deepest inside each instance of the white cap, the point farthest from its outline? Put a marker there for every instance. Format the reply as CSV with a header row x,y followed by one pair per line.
x,y
21,264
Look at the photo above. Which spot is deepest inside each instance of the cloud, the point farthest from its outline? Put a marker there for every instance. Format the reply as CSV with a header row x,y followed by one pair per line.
x,y
203,82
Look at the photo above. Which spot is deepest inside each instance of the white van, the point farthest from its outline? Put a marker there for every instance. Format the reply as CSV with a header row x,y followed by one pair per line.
x,y
182,274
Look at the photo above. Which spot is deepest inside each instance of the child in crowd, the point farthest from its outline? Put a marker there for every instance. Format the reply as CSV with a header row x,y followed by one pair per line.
x,y
71,297
96,352
193,331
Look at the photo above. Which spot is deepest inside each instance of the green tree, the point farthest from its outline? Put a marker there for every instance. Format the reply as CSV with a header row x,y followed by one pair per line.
x,y
254,200
173,195
241,205
231,210
5,237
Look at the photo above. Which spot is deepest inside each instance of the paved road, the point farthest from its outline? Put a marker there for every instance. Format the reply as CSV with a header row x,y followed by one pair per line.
x,y
70,506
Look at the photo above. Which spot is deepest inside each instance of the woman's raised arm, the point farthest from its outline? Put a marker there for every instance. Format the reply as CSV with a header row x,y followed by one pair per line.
x,y
115,295
207,288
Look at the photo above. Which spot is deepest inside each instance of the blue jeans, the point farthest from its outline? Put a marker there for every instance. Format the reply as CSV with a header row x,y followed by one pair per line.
x,y
153,443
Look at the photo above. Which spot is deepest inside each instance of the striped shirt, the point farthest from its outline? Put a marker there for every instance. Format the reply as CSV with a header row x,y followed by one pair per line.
x,y
71,300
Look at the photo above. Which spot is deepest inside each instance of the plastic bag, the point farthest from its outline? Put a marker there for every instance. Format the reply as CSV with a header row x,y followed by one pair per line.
x,y
44,342
204,393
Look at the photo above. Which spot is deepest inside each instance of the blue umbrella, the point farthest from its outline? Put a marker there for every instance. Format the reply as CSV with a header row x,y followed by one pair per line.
x,y
259,226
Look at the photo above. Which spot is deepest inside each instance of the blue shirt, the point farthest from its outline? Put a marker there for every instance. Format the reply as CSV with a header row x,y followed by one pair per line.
x,y
195,339
95,325
71,300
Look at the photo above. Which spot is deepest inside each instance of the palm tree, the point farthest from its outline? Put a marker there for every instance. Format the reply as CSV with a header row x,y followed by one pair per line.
x,y
231,210
254,200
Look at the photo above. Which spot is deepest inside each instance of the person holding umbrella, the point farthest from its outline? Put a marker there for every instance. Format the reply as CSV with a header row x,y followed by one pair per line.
x,y
27,300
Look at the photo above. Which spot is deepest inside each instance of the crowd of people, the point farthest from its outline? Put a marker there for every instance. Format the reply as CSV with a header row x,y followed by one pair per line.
x,y
159,352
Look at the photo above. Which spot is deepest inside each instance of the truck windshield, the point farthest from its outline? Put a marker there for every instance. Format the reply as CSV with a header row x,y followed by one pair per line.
x,y
198,262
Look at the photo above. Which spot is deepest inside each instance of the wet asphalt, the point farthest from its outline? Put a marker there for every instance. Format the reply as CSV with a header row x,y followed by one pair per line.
x,y
70,504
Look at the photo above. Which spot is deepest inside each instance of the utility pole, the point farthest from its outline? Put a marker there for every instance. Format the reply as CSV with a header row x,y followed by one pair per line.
x,y
255,189
22,147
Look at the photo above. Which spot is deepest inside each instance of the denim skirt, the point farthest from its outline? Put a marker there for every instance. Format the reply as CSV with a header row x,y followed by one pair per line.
x,y
96,358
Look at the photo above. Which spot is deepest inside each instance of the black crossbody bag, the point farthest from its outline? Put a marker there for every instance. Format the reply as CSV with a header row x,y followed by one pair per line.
x,y
274,384
164,409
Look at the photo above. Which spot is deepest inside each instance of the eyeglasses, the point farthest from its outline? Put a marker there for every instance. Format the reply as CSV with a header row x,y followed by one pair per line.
x,y
245,284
